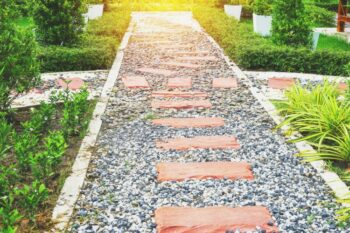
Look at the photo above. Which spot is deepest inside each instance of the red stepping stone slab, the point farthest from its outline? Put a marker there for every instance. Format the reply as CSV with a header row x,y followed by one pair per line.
x,y
185,104
203,171
177,47
213,219
200,53
343,86
200,122
180,94
157,71
201,142
225,83
71,83
182,65
135,82
179,82
281,83
205,58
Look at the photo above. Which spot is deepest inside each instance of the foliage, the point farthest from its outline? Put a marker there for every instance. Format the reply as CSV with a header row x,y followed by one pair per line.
x,y
262,7
334,43
344,213
74,109
289,24
43,163
319,17
59,22
19,69
31,197
256,53
97,48
8,215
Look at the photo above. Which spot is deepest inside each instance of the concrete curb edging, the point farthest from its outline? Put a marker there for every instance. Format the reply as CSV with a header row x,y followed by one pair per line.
x,y
70,192
339,188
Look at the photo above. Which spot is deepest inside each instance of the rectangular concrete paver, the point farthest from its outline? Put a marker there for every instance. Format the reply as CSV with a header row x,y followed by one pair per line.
x,y
280,83
200,142
184,104
199,122
213,219
163,72
179,83
135,82
225,83
182,65
198,58
203,171
179,94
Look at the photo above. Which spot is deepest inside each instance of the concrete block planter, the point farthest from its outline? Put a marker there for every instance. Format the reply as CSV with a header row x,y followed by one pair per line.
x,y
95,11
234,11
262,24
315,37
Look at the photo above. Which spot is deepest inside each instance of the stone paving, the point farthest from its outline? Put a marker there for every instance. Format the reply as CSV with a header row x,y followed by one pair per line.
x,y
185,147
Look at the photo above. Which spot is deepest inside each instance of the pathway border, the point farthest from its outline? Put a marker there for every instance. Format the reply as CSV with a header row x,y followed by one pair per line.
x,y
70,192
339,188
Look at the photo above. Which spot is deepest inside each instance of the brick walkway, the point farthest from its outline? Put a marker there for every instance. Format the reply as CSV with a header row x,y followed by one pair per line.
x,y
185,147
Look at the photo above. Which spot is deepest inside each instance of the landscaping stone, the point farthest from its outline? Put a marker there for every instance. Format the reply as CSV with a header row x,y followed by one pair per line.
x,y
184,104
281,83
181,94
181,65
202,171
199,142
225,83
135,82
157,71
202,58
214,219
71,83
198,122
179,83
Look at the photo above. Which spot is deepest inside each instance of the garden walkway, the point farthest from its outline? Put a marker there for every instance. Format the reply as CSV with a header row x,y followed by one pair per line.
x,y
185,147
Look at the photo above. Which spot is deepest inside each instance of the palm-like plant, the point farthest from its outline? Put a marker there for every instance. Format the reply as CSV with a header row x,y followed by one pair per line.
x,y
338,149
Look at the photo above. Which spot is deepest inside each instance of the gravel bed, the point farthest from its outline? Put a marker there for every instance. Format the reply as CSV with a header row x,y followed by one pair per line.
x,y
121,191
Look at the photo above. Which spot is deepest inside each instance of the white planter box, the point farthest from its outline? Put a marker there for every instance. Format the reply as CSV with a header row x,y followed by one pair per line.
x,y
315,37
262,24
95,11
234,11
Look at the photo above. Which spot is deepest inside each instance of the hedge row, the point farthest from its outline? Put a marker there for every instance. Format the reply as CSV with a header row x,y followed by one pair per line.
x,y
253,52
97,48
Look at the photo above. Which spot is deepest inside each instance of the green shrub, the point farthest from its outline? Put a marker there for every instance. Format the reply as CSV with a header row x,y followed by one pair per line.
x,y
59,22
31,197
19,69
44,163
289,24
262,7
253,52
8,215
97,48
319,17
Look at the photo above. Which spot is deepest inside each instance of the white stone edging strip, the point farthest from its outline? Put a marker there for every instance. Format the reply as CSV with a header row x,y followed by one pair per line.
x,y
70,192
339,188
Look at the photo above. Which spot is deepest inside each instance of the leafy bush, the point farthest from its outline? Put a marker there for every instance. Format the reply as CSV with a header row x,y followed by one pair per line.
x,y
59,22
319,17
19,69
289,25
97,48
253,52
262,7
8,215
43,163
31,197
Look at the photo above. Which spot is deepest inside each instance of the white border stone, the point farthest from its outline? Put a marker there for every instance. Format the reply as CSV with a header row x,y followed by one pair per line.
x,y
72,186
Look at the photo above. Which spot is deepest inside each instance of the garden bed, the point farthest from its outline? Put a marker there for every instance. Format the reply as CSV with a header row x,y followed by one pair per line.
x,y
39,146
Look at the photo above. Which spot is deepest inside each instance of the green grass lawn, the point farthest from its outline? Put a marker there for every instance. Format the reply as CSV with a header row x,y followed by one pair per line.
x,y
333,43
